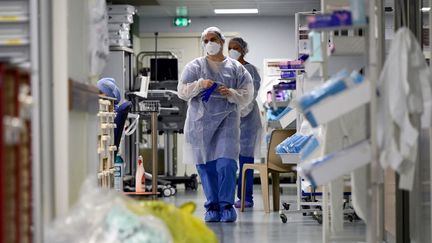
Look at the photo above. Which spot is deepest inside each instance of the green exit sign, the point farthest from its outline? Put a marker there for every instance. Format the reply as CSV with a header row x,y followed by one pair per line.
x,y
181,21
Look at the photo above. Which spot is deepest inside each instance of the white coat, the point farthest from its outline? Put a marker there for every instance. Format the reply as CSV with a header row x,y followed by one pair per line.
x,y
405,98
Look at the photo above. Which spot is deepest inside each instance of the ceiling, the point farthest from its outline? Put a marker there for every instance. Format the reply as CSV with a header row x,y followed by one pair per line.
x,y
204,8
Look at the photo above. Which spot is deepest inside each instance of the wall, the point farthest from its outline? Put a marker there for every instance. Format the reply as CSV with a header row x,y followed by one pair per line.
x,y
60,105
268,37
82,126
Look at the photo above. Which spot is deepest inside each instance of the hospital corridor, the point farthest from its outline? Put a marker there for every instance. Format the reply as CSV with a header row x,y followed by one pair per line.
x,y
215,121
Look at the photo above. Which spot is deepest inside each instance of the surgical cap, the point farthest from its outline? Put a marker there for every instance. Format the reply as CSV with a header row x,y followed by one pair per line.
x,y
109,87
215,30
243,44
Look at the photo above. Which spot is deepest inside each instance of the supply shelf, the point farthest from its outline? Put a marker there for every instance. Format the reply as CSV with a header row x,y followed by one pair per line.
x,y
285,121
342,27
342,103
292,69
287,79
336,165
290,158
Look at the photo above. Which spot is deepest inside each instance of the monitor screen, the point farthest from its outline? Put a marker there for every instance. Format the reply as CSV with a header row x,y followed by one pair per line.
x,y
167,69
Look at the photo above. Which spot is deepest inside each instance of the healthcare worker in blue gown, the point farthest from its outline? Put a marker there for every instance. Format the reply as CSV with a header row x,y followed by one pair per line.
x,y
250,121
217,88
108,87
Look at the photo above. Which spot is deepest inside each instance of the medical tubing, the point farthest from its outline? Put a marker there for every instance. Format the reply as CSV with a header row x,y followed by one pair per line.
x,y
132,127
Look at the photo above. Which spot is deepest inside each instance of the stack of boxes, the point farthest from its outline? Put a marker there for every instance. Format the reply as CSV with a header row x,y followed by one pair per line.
x,y
120,17
106,146
14,31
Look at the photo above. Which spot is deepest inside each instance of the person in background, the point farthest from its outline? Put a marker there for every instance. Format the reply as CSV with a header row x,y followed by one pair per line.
x,y
250,123
216,88
108,87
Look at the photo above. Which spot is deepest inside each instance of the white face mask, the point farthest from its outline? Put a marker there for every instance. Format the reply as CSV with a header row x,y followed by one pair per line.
x,y
212,48
234,54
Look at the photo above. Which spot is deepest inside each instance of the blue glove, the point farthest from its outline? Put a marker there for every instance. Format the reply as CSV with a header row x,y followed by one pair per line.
x,y
205,96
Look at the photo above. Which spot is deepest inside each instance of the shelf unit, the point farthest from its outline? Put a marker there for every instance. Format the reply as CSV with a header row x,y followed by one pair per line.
x,y
287,79
302,47
291,69
15,31
286,121
342,27
368,97
106,147
302,33
338,164
345,102
290,158
120,65
272,77
15,155
17,121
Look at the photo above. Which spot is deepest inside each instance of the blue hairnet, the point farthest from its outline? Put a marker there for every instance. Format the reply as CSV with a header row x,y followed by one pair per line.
x,y
109,87
243,44
215,30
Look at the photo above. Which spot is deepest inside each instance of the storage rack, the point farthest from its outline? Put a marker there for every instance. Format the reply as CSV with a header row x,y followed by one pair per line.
x,y
302,32
106,147
18,62
15,155
15,31
120,66
271,77
369,87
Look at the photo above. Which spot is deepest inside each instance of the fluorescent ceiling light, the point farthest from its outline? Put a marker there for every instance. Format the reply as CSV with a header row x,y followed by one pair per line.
x,y
425,9
236,11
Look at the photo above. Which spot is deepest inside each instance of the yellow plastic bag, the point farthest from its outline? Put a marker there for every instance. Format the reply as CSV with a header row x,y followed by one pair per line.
x,y
184,227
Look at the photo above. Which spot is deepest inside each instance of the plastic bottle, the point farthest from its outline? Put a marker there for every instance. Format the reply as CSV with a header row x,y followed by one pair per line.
x,y
140,176
118,173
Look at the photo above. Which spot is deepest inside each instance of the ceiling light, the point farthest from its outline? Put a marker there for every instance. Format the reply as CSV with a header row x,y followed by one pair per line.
x,y
236,11
425,9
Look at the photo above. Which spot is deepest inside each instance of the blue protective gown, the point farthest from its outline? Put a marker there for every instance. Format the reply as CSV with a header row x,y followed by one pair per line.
x,y
250,133
250,123
212,128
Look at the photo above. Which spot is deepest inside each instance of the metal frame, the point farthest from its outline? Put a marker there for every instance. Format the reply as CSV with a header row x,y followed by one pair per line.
x,y
430,130
375,228
46,113
2,157
36,123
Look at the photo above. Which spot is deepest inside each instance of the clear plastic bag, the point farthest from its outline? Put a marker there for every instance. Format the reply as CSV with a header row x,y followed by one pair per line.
x,y
103,216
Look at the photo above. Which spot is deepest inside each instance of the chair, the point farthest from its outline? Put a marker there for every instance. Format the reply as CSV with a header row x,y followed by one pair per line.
x,y
274,166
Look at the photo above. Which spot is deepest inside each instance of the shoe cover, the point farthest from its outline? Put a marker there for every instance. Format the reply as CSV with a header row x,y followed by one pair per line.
x,y
212,216
228,215
247,204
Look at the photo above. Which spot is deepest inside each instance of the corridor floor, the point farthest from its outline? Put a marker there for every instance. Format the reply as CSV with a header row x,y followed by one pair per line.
x,y
254,225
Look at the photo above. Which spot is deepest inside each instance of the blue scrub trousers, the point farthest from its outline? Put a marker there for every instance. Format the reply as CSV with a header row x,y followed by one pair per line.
x,y
218,178
249,178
